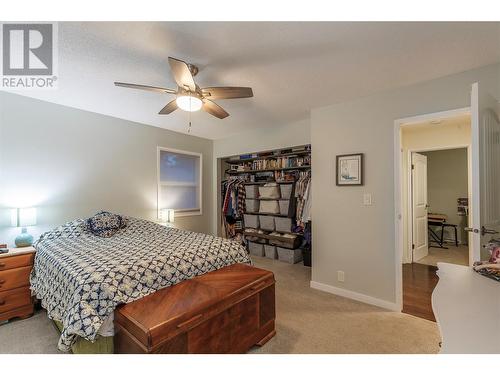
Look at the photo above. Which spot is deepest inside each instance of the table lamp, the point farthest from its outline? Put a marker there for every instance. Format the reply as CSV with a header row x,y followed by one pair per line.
x,y
167,215
23,217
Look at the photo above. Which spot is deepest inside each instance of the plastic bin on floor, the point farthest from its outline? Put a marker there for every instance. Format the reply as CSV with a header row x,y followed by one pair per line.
x,y
291,256
270,251
256,249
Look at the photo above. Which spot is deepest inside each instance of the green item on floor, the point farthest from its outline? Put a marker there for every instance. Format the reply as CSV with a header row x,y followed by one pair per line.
x,y
102,345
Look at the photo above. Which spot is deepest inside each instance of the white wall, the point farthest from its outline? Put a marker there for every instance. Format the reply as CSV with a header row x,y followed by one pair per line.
x,y
357,239
260,139
452,132
263,139
71,163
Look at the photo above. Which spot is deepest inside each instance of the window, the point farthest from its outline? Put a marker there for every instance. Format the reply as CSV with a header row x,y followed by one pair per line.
x,y
179,181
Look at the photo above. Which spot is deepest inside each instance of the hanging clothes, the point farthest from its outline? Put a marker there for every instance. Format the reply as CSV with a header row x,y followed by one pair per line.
x,y
233,203
233,193
306,210
241,196
302,195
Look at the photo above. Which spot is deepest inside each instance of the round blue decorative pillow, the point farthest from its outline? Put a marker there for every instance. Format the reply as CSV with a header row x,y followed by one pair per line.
x,y
105,224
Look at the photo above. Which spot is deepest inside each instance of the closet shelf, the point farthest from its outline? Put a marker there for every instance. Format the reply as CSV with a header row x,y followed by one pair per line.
x,y
271,199
277,231
265,214
268,182
275,238
290,154
269,170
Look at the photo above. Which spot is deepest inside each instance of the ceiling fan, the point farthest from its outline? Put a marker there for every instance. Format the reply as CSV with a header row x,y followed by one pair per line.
x,y
190,97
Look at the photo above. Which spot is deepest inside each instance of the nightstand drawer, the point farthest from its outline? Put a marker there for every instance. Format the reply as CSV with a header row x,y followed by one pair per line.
x,y
14,298
16,261
14,278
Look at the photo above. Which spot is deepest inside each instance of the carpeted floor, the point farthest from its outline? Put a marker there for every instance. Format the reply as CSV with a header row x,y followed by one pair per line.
x,y
35,335
311,321
308,321
454,255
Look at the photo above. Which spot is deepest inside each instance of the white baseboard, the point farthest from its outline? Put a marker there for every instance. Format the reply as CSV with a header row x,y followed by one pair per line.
x,y
355,296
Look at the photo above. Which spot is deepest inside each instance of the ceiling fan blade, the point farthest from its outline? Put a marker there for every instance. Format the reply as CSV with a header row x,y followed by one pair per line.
x,y
214,109
169,108
144,87
182,74
214,93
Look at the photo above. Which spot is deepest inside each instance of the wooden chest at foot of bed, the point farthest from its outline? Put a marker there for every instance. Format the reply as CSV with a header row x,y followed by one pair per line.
x,y
224,311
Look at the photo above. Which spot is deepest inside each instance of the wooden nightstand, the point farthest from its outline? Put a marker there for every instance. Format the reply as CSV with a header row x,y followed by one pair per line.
x,y
15,294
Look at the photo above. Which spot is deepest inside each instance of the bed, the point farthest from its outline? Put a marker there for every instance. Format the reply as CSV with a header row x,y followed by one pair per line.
x,y
80,278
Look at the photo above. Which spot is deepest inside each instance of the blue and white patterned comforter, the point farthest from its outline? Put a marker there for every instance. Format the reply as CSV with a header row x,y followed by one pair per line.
x,y
81,278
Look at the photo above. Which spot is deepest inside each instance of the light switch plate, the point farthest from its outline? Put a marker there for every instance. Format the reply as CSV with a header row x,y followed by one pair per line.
x,y
367,199
340,276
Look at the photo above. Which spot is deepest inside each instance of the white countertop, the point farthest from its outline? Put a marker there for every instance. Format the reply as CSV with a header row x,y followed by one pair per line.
x,y
18,250
467,309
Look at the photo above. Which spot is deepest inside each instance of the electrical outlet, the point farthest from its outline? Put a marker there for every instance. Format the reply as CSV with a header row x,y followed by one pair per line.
x,y
340,276
367,199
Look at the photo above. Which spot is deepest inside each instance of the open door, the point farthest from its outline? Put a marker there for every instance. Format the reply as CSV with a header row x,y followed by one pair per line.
x,y
484,221
419,206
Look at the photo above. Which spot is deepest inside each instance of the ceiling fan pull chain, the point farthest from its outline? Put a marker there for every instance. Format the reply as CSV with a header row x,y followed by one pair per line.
x,y
189,127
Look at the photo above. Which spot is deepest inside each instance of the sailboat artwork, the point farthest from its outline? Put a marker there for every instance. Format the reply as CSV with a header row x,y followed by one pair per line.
x,y
349,170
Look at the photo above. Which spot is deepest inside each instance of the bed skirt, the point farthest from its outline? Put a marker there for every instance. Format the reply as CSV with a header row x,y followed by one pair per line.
x,y
102,345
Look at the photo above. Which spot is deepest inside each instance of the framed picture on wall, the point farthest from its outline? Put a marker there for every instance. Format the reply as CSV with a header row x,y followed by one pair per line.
x,y
349,170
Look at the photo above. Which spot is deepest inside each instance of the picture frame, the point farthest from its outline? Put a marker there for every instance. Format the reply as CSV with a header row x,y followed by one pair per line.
x,y
349,170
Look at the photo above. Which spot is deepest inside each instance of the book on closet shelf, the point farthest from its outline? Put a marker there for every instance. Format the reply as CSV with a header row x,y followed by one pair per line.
x,y
264,154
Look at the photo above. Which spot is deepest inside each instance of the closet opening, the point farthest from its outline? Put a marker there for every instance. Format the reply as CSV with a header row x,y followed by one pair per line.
x,y
264,203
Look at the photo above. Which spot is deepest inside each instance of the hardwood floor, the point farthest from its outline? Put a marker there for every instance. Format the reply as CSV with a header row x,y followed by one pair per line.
x,y
419,280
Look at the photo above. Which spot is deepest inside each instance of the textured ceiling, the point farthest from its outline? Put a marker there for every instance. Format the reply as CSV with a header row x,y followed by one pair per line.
x,y
292,67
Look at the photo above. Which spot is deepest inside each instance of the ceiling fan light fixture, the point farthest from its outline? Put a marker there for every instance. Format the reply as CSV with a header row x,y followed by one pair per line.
x,y
189,103
189,96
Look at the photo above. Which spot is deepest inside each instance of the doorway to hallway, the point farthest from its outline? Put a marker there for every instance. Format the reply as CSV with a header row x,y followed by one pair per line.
x,y
436,182
446,209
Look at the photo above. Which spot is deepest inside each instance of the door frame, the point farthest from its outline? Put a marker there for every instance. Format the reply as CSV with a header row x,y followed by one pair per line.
x,y
398,188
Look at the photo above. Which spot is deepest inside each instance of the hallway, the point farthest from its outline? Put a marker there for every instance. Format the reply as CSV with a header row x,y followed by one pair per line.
x,y
419,280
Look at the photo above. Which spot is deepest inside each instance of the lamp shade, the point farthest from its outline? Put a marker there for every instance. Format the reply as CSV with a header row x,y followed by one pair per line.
x,y
23,217
167,215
